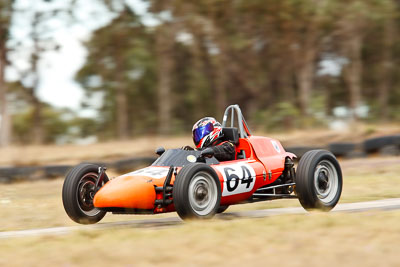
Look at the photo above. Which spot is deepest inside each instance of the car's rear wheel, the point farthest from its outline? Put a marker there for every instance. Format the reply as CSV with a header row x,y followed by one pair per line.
x,y
78,193
197,192
319,180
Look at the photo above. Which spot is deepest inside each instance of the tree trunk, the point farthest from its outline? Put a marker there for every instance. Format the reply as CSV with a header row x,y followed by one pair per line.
x,y
304,56
121,95
220,86
305,80
386,69
5,125
212,67
354,72
214,71
122,113
164,42
38,134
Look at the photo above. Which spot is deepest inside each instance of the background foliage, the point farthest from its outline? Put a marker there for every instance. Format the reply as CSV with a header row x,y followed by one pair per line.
x,y
288,63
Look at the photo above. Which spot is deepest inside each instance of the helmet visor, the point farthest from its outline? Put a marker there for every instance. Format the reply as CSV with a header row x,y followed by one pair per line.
x,y
202,131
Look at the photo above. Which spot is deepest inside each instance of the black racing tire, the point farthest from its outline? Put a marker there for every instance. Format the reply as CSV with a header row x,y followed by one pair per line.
x,y
319,180
391,150
341,149
373,145
221,209
196,192
54,171
300,151
78,192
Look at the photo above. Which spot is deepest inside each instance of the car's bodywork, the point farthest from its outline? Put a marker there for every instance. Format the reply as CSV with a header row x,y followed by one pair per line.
x,y
141,191
197,185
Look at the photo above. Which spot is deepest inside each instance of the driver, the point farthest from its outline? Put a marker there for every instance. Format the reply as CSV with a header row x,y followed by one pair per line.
x,y
207,132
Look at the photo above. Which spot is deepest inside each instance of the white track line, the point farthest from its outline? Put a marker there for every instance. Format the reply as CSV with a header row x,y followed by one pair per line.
x,y
69,229
384,204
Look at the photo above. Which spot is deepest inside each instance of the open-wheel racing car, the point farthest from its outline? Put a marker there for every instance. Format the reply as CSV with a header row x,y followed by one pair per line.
x,y
196,185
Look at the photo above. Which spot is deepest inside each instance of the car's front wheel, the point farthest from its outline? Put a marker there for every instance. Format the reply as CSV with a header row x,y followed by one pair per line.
x,y
197,192
78,193
319,180
222,209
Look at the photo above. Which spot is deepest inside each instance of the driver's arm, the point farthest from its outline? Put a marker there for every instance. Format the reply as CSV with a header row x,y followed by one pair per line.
x,y
224,151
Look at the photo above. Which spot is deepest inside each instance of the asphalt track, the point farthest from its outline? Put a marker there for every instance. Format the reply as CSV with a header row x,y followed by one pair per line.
x,y
384,204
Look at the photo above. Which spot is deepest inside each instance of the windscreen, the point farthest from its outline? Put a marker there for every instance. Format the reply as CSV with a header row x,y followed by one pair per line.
x,y
180,158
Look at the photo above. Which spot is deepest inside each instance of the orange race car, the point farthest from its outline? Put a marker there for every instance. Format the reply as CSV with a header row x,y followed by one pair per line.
x,y
196,185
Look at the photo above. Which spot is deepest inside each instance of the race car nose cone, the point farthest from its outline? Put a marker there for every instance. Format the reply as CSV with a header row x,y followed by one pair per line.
x,y
132,192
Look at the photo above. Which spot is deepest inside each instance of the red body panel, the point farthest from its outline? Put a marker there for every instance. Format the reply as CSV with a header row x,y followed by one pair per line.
x,y
265,156
271,154
264,163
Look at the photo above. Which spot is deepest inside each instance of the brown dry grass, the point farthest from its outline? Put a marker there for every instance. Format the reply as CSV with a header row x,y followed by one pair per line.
x,y
73,154
356,133
315,239
319,239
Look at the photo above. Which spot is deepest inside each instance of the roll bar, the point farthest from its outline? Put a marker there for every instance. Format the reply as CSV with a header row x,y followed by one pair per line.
x,y
244,130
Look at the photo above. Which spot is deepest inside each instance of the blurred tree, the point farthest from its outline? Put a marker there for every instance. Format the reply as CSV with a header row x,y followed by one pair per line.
x,y
33,74
306,27
56,125
165,37
120,66
41,40
269,53
204,54
209,53
386,69
354,19
6,12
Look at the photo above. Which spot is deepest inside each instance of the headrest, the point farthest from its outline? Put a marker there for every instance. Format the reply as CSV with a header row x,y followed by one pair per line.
x,y
231,134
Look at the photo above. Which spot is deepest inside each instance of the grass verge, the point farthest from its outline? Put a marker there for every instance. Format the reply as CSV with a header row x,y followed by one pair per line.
x,y
317,239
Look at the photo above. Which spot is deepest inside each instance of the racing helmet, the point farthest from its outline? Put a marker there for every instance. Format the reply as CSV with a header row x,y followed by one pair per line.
x,y
206,131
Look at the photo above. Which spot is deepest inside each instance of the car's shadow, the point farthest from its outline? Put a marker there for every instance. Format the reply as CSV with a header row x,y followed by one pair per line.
x,y
157,222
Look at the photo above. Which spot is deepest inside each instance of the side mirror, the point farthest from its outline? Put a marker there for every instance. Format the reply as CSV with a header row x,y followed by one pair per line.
x,y
207,153
160,151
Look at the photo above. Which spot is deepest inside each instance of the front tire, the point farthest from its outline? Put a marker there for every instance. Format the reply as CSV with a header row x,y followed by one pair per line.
x,y
222,209
319,180
197,192
78,193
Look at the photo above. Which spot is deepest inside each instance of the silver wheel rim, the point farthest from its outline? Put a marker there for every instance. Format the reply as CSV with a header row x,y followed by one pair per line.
x,y
326,181
85,194
202,193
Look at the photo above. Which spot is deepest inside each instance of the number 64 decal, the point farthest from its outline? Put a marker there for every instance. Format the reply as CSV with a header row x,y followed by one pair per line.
x,y
238,178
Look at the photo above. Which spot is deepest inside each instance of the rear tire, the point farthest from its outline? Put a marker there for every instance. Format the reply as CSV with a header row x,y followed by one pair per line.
x,y
319,180
78,192
197,192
